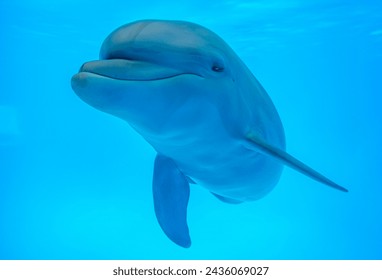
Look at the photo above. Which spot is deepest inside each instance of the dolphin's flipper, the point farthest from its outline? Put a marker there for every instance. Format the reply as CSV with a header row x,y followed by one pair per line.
x,y
255,143
226,199
171,193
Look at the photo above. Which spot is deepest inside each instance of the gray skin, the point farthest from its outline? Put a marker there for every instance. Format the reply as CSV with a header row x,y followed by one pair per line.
x,y
190,96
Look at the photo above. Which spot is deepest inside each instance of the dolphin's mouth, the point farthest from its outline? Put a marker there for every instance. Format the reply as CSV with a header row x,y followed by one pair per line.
x,y
130,70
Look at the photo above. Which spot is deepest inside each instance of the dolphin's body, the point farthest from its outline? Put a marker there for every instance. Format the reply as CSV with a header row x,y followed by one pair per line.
x,y
189,95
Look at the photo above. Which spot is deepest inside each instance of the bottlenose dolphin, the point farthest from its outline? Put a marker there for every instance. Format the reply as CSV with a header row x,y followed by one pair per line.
x,y
189,95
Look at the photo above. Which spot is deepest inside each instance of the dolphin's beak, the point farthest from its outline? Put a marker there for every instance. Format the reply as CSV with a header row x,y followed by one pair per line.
x,y
131,70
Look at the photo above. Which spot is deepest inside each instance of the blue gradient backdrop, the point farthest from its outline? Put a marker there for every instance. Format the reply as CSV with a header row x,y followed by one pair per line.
x,y
76,183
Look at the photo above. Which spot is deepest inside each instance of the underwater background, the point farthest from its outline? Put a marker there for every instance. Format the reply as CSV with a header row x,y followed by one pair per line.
x,y
75,183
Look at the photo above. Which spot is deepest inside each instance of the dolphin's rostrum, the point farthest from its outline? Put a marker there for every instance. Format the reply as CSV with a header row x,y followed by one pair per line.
x,y
189,95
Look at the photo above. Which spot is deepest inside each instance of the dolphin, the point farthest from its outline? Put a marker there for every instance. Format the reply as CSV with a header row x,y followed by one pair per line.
x,y
186,92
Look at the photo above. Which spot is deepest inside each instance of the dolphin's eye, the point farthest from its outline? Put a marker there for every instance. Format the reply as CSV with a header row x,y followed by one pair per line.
x,y
217,68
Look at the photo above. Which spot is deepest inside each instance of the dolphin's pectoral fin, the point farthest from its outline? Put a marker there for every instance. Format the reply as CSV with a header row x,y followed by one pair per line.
x,y
189,180
171,193
255,143
226,199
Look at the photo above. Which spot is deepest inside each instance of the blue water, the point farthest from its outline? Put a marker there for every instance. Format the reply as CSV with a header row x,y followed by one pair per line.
x,y
75,183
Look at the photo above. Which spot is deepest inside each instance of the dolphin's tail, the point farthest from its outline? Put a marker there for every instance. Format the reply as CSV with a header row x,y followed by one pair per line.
x,y
254,143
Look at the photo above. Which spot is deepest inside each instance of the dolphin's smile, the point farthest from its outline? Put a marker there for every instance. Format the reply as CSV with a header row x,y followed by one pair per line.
x,y
130,70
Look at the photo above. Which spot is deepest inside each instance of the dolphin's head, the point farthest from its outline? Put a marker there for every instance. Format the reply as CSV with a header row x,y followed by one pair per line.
x,y
148,69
